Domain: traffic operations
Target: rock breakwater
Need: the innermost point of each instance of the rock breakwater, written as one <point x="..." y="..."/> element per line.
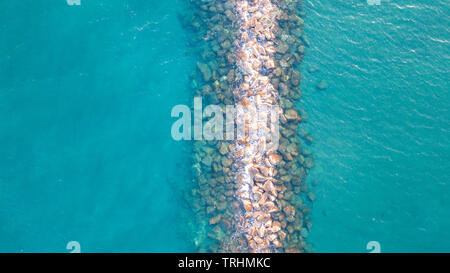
<point x="247" y="192"/>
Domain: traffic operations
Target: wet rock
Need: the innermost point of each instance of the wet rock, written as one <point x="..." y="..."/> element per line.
<point x="223" y="148"/>
<point x="284" y="63"/>
<point x="289" y="211"/>
<point x="259" y="177"/>
<point x="276" y="226"/>
<point x="277" y="72"/>
<point x="292" y="149"/>
<point x="277" y="243"/>
<point x="226" y="162"/>
<point x="275" y="158"/>
<point x="292" y="115"/>
<point x="215" y="219"/>
<point x="247" y="205"/>
<point x="272" y="237"/>
<point x="287" y="133"/>
<point x="293" y="250"/>
<point x="287" y="156"/>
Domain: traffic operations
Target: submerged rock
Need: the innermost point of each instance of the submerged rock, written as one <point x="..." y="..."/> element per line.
<point x="322" y="85"/>
<point x="304" y="233"/>
<point x="306" y="40"/>
<point x="301" y="49"/>
<point x="293" y="250"/>
<point x="295" y="79"/>
<point x="313" y="69"/>
<point x="282" y="48"/>
<point x="309" y="162"/>
<point x="311" y="196"/>
<point x="205" y="70"/>
<point x="215" y="219"/>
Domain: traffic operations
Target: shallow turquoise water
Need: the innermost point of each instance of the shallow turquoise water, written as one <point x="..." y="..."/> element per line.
<point x="382" y="127"/>
<point x="86" y="152"/>
<point x="85" y="100"/>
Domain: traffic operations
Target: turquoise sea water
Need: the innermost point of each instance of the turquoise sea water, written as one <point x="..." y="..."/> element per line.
<point x="86" y="153"/>
<point x="382" y="127"/>
<point x="85" y="99"/>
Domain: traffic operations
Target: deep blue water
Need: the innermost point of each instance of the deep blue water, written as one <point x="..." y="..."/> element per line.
<point x="86" y="153"/>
